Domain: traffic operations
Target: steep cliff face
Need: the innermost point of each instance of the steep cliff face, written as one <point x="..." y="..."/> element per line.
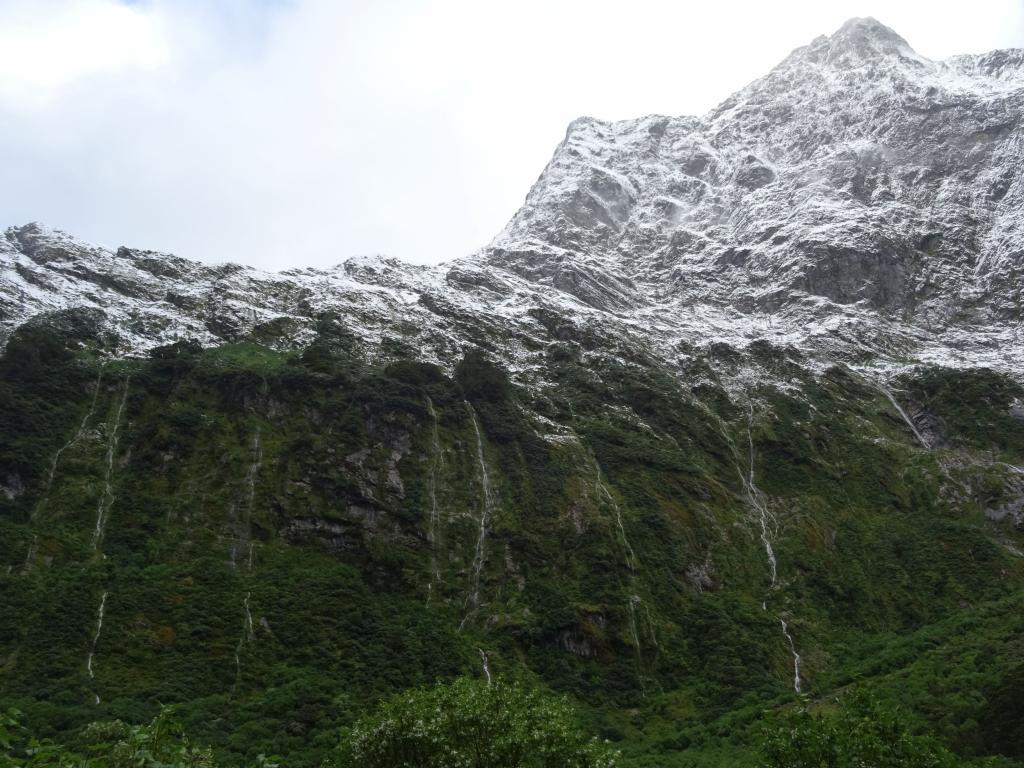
<point x="856" y="172"/>
<point x="731" y="409"/>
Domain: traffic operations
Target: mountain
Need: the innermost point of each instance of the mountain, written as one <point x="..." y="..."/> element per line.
<point x="858" y="195"/>
<point x="732" y="409"/>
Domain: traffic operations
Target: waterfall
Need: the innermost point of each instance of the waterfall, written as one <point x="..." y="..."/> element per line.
<point x="95" y="640"/>
<point x="241" y="524"/>
<point x="248" y="636"/>
<point x="28" y="555"/>
<point x="603" y="491"/>
<point x="486" y="510"/>
<point x="245" y="535"/>
<point x="250" y="483"/>
<point x="107" y="497"/>
<point x="52" y="471"/>
<point x="249" y="630"/>
<point x="634" y="633"/>
<point x="757" y="501"/>
<point x="766" y="522"/>
<point x="487" y="668"/>
<point x="434" y="522"/>
<point x="629" y="556"/>
<point x="796" y="656"/>
<point x="903" y="414"/>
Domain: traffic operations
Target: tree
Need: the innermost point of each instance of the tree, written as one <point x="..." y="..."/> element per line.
<point x="862" y="733"/>
<point x="470" y="724"/>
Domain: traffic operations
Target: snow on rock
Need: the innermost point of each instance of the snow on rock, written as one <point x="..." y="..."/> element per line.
<point x="859" y="202"/>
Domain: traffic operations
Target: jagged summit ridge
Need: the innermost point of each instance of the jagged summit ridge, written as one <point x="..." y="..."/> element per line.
<point x="817" y="159"/>
<point x="862" y="38"/>
<point x="857" y="200"/>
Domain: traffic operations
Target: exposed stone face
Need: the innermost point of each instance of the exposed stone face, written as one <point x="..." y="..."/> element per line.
<point x="858" y="198"/>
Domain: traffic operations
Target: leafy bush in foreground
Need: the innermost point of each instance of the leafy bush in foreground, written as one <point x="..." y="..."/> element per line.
<point x="862" y="733"/>
<point x="471" y="724"/>
<point x="159" y="744"/>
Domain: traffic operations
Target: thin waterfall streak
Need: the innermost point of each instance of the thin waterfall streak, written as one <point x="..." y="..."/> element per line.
<point x="250" y="480"/>
<point x="28" y="555"/>
<point x="650" y="627"/>
<point x="756" y="499"/>
<point x="248" y="636"/>
<point x="78" y="433"/>
<point x="486" y="665"/>
<point x="487" y="507"/>
<point x="759" y="504"/>
<point x="107" y="497"/>
<point x="434" y="524"/>
<point x="792" y="650"/>
<point x="603" y="490"/>
<point x="250" y="631"/>
<point x="629" y="556"/>
<point x="637" y="648"/>
<point x="52" y="471"/>
<point x="903" y="414"/>
<point x="95" y="640"/>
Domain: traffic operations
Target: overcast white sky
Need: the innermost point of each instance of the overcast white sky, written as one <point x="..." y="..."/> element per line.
<point x="286" y="133"/>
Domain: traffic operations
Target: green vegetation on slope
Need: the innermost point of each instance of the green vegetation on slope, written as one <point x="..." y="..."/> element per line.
<point x="280" y="541"/>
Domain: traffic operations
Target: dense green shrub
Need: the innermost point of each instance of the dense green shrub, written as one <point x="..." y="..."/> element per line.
<point x="472" y="724"/>
<point x="861" y="733"/>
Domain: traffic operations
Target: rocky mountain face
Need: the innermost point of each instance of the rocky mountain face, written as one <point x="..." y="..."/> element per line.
<point x="731" y="410"/>
<point x="858" y="200"/>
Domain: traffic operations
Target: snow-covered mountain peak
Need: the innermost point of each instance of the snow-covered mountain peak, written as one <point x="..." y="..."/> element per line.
<point x="858" y="199"/>
<point x="859" y="38"/>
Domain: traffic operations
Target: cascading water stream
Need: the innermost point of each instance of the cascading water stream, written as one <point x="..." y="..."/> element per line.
<point x="434" y="522"/>
<point x="486" y="511"/>
<point x="250" y="486"/>
<point x="29" y="554"/>
<point x="95" y="639"/>
<point x="767" y="522"/>
<point x="792" y="650"/>
<point x="903" y="414"/>
<point x="603" y="492"/>
<point x="107" y="497"/>
<point x="486" y="665"/>
<point x="52" y="471"/>
<point x="635" y="635"/>
<point x="248" y="629"/>
<point x="248" y="635"/>
<point x="759" y="504"/>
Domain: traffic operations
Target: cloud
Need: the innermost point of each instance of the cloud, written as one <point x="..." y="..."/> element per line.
<point x="41" y="54"/>
<point x="298" y="132"/>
